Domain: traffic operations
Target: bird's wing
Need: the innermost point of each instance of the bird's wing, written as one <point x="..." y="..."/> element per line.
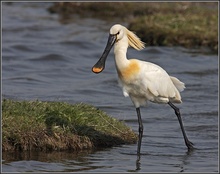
<point x="157" y="81"/>
<point x="179" y="85"/>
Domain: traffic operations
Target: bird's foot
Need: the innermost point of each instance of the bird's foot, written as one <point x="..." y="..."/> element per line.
<point x="189" y="145"/>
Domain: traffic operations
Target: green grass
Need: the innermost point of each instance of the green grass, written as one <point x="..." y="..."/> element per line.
<point x="188" y="24"/>
<point x="195" y="27"/>
<point x="46" y="126"/>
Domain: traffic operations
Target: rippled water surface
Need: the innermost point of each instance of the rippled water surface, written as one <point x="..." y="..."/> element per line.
<point x="50" y="61"/>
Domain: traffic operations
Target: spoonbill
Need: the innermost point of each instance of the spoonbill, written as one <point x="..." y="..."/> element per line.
<point x="140" y="80"/>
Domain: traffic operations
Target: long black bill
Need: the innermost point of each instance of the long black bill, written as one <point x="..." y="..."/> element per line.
<point x="100" y="65"/>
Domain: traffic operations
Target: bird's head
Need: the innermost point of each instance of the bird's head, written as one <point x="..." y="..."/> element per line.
<point x="117" y="32"/>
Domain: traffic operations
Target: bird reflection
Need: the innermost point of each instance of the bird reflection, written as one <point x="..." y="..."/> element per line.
<point x="138" y="164"/>
<point x="187" y="154"/>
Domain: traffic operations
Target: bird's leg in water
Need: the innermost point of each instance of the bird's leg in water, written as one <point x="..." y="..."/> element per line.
<point x="140" y="133"/>
<point x="177" y="112"/>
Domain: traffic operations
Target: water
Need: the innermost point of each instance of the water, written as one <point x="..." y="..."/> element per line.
<point x="50" y="61"/>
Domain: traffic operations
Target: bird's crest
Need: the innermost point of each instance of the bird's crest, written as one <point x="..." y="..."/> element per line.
<point x="134" y="41"/>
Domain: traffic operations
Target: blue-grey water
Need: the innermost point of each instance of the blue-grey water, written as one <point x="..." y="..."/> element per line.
<point x="44" y="59"/>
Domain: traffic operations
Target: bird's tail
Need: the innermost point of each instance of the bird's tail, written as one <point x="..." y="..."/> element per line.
<point x="178" y="84"/>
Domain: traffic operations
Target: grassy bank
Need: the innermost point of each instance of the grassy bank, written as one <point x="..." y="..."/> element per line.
<point x="46" y="126"/>
<point x="188" y="24"/>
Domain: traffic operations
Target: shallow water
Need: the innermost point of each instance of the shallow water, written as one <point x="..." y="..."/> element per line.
<point x="50" y="61"/>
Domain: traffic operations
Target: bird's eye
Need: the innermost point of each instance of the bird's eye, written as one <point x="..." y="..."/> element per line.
<point x="117" y="33"/>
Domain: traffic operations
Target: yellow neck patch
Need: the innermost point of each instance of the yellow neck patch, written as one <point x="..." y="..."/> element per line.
<point x="128" y="72"/>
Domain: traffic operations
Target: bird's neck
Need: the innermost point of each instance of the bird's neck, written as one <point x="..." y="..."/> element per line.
<point x="120" y="52"/>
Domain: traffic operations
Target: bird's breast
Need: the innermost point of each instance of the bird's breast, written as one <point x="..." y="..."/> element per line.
<point x="129" y="72"/>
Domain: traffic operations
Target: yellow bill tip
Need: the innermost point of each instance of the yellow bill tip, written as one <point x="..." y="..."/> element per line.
<point x="97" y="70"/>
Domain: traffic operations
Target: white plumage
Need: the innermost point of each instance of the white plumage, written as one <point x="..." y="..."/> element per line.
<point x="141" y="81"/>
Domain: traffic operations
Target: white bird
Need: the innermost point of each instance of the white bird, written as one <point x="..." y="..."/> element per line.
<point x="141" y="81"/>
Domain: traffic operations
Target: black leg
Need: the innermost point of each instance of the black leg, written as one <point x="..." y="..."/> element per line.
<point x="177" y="112"/>
<point x="140" y="132"/>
